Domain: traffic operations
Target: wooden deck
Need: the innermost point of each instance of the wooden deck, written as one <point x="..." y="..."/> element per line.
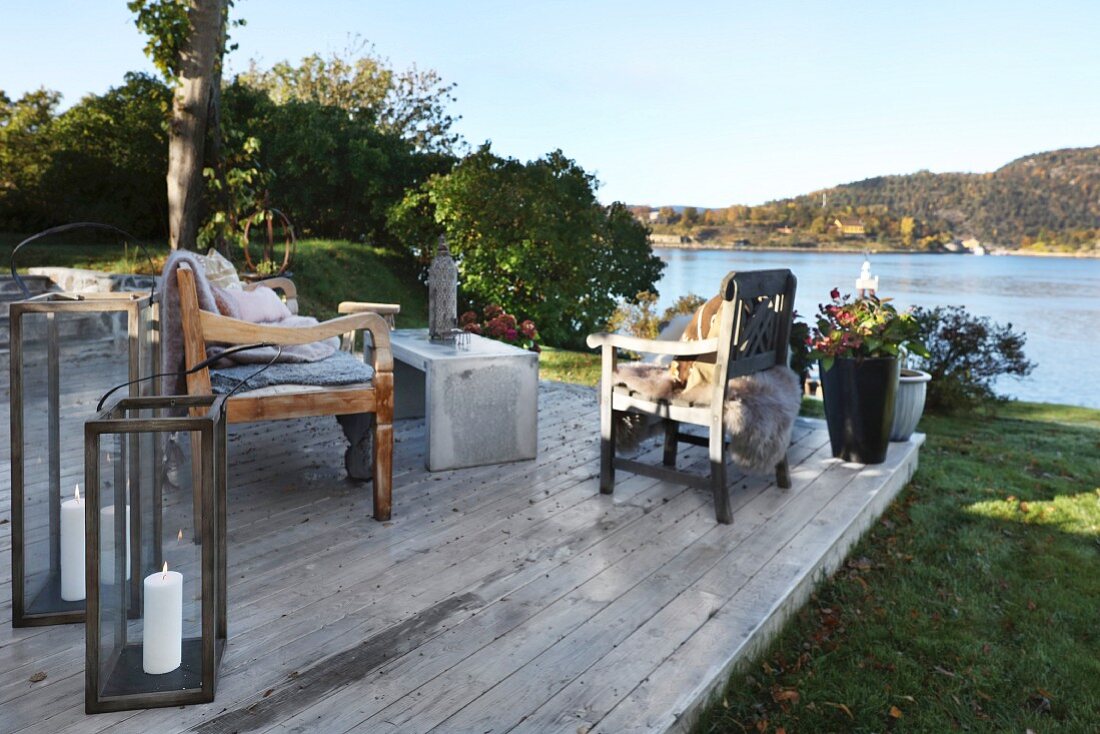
<point x="502" y="598"/>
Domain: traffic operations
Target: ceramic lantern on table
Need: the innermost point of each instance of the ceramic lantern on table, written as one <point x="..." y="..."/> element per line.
<point x="442" y="295"/>
<point x="162" y="646"/>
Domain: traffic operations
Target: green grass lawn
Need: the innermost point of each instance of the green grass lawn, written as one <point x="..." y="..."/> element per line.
<point x="971" y="606"/>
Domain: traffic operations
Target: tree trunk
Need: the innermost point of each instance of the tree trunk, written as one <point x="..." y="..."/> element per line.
<point x="190" y="112"/>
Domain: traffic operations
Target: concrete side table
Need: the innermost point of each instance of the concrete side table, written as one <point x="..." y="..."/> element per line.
<point x="479" y="402"/>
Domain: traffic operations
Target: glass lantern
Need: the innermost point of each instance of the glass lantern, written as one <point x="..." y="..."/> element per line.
<point x="146" y="460"/>
<point x="66" y="350"/>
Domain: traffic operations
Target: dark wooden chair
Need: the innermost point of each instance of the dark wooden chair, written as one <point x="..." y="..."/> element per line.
<point x="753" y="333"/>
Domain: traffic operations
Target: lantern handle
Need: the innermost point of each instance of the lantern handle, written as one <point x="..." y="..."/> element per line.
<point x="201" y="365"/>
<point x="69" y="227"/>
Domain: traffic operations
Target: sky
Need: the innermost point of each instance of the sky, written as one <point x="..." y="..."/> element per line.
<point x="694" y="103"/>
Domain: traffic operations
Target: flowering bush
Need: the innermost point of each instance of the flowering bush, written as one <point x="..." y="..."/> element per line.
<point x="503" y="327"/>
<point x="861" y="329"/>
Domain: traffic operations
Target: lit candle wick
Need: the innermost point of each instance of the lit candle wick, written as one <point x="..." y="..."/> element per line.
<point x="179" y="535"/>
<point x="164" y="571"/>
<point x="76" y="493"/>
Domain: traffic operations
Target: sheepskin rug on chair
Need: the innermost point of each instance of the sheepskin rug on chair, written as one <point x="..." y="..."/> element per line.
<point x="759" y="412"/>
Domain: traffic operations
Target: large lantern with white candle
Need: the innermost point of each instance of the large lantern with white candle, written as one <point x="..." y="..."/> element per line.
<point x="160" y="646"/>
<point x="66" y="349"/>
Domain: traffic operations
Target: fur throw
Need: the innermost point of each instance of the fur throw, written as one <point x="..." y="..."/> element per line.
<point x="758" y="417"/>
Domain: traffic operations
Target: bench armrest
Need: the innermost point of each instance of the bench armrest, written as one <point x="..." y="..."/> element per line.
<point x="382" y="309"/>
<point x="226" y="330"/>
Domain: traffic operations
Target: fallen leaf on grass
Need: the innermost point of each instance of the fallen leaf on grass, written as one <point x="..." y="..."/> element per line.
<point x="1046" y="693"/>
<point x="787" y="694"/>
<point x="842" y="707"/>
<point x="39" y="676"/>
<point x="895" y="712"/>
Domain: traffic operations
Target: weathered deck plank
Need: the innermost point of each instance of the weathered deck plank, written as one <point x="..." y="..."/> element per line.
<point x="498" y="598"/>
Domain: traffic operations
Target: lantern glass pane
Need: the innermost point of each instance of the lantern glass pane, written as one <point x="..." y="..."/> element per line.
<point x="150" y="626"/>
<point x="68" y="359"/>
<point x="66" y="352"/>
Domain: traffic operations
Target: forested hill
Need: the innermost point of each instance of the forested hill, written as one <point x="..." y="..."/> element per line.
<point x="1034" y="197"/>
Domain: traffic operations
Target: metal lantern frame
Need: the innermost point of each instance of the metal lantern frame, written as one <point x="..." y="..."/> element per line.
<point x="125" y="685"/>
<point x="45" y="606"/>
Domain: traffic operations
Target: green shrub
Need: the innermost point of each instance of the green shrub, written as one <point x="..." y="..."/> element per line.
<point x="967" y="354"/>
<point x="638" y="317"/>
<point x="532" y="238"/>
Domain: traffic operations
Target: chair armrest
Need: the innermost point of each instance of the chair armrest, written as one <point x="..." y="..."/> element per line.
<point x="226" y="330"/>
<point x="653" y="346"/>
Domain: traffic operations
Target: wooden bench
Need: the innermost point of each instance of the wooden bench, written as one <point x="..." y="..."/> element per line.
<point x="349" y="402"/>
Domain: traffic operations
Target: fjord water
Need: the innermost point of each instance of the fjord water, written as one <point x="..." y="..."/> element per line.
<point x="1055" y="301"/>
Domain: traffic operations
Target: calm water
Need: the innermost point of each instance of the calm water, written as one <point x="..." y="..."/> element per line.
<point x="1055" y="301"/>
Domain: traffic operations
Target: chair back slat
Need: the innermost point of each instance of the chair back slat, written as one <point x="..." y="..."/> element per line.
<point x="756" y="321"/>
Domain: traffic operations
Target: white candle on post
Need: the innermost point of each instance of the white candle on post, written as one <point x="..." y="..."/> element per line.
<point x="162" y="644"/>
<point x="72" y="548"/>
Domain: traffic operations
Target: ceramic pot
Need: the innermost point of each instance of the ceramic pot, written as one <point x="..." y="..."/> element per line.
<point x="909" y="404"/>
<point x="859" y="407"/>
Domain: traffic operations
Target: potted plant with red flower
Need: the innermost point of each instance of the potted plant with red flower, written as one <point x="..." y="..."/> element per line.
<point x="503" y="327"/>
<point x="858" y="343"/>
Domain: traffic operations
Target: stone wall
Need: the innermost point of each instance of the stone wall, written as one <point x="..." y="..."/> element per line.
<point x="89" y="327"/>
<point x="73" y="280"/>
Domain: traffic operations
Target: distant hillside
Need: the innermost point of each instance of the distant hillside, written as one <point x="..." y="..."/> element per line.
<point x="1055" y="191"/>
<point x="1047" y="202"/>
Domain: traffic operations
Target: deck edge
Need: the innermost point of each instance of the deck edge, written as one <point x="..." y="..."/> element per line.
<point x="827" y="564"/>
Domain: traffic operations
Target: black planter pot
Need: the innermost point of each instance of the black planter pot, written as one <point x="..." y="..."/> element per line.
<point x="859" y="407"/>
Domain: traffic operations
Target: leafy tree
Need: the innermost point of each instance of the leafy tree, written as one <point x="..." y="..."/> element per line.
<point x="967" y="353"/>
<point x="110" y="155"/>
<point x="532" y="238"/>
<point x="25" y="152"/>
<point x="333" y="174"/>
<point x="186" y="42"/>
<point x="907" y="228"/>
<point x="411" y="103"/>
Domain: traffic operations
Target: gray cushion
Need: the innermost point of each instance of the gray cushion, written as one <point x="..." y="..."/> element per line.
<point x="342" y="368"/>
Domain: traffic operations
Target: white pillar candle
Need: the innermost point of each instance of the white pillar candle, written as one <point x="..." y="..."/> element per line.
<point x="162" y="644"/>
<point x="72" y="548"/>
<point x="107" y="553"/>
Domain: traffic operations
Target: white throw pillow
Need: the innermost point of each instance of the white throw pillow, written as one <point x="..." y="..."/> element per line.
<point x="219" y="271"/>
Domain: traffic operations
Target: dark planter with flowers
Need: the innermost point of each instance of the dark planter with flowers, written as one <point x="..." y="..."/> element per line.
<point x="859" y="407"/>
<point x="857" y="343"/>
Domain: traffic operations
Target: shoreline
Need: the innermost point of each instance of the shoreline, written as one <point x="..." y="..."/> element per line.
<point x="862" y="250"/>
